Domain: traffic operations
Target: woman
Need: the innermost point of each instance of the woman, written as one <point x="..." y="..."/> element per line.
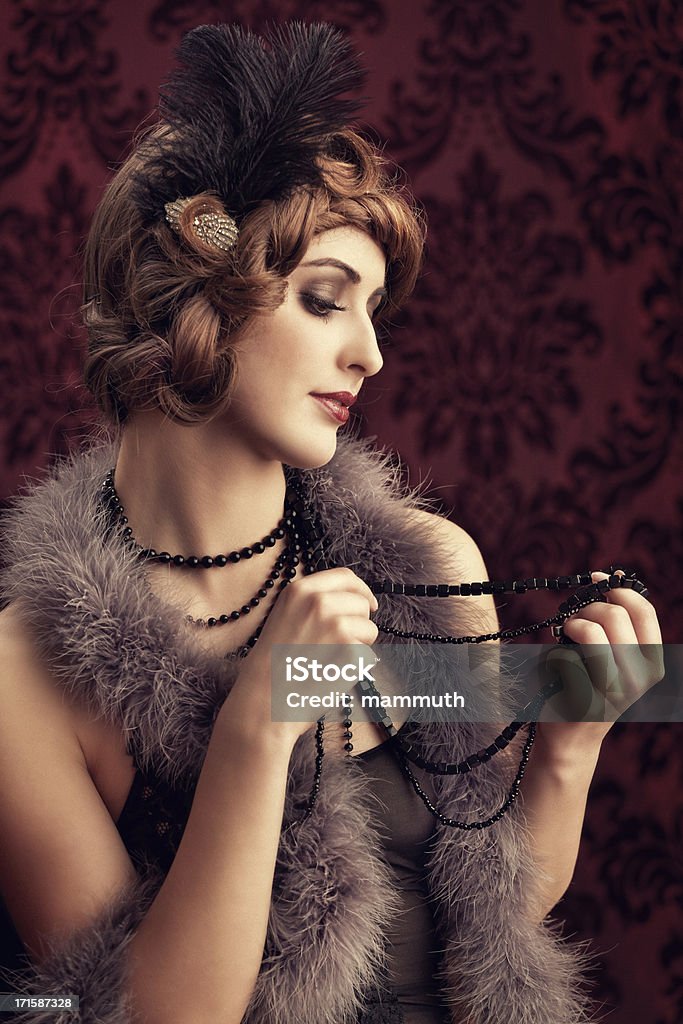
<point x="164" y="856"/>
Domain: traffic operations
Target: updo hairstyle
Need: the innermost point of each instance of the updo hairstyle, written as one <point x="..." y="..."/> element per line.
<point x="162" y="311"/>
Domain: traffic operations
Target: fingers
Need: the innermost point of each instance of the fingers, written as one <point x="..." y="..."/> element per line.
<point x="337" y="580"/>
<point x="624" y="633"/>
<point x="644" y="621"/>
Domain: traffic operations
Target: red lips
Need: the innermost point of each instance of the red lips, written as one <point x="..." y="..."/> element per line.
<point x="345" y="397"/>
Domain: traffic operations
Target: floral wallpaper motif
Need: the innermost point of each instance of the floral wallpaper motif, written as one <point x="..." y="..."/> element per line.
<point x="534" y="380"/>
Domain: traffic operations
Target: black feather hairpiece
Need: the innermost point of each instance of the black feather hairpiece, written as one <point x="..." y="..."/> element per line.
<point x="248" y="114"/>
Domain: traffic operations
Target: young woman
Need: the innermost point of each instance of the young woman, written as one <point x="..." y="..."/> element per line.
<point x="170" y="852"/>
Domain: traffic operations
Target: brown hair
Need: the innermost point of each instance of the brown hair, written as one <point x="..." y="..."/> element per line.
<point x="162" y="311"/>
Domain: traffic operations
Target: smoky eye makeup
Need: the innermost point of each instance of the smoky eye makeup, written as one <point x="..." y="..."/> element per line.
<point x="319" y="305"/>
<point x="324" y="297"/>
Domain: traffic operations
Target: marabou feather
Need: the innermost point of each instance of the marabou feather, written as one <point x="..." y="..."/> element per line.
<point x="133" y="659"/>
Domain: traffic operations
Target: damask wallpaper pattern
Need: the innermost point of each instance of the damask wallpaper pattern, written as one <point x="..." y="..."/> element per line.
<point x="535" y="378"/>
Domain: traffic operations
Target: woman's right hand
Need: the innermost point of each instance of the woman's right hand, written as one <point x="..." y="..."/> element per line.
<point x="330" y="607"/>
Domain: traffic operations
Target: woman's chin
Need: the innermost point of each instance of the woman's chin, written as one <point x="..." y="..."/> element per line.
<point x="312" y="455"/>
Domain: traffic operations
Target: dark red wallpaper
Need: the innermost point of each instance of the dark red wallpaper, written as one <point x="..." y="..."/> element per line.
<point x="535" y="377"/>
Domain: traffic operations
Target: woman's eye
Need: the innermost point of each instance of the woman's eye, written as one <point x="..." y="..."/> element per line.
<point x="319" y="306"/>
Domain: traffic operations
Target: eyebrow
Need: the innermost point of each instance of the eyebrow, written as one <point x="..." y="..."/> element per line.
<point x="353" y="275"/>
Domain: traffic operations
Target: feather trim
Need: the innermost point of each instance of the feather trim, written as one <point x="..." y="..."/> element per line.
<point x="91" y="964"/>
<point x="132" y="658"/>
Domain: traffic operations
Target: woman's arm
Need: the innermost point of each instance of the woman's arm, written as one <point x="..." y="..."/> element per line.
<point x="555" y="788"/>
<point x="72" y="891"/>
<point x="197" y="953"/>
<point x="192" y="954"/>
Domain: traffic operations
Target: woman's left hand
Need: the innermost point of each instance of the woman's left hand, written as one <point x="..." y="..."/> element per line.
<point x="626" y="662"/>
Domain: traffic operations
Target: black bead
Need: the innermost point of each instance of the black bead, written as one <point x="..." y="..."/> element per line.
<point x="420" y="590"/>
<point x="207" y="561"/>
<point x="246" y="552"/>
<point x="432" y="590"/>
<point x="221" y="560"/>
<point x="235" y="615"/>
<point x="224" y="618"/>
<point x="164" y="557"/>
<point x="465" y="589"/>
<point x="192" y="561"/>
<point x="178" y="560"/>
<point x="255" y="602"/>
<point x="211" y="621"/>
<point x="234" y="556"/>
<point x="259" y="548"/>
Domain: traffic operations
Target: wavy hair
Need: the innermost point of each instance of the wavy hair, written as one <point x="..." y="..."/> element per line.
<point x="162" y="311"/>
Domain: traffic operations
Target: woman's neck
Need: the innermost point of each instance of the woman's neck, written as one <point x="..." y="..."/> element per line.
<point x="187" y="490"/>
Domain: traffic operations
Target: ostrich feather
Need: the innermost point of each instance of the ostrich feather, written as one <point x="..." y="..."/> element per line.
<point x="248" y="115"/>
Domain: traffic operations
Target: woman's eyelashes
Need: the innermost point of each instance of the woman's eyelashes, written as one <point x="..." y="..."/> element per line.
<point x="320" y="306"/>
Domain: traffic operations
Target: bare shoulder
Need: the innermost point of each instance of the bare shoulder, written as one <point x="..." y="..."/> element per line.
<point x="61" y="858"/>
<point x="463" y="561"/>
<point x="456" y="541"/>
<point x="25" y="681"/>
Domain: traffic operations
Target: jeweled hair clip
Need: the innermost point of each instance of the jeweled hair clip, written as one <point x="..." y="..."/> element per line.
<point x="217" y="229"/>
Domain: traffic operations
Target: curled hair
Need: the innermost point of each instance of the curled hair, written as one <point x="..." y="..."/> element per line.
<point x="162" y="311"/>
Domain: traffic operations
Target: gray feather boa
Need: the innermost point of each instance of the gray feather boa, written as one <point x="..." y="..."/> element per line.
<point x="134" y="660"/>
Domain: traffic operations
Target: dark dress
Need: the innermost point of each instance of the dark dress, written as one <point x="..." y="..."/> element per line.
<point x="153" y="819"/>
<point x="152" y="823"/>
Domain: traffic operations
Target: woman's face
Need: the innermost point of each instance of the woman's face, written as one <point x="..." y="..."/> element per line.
<point x="321" y="340"/>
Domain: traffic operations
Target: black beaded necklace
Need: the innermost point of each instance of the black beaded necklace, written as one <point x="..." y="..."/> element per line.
<point x="113" y="504"/>
<point x="285" y="565"/>
<point x="587" y="593"/>
<point x="306" y="547"/>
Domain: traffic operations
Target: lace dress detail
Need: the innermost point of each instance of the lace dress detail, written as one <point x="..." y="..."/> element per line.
<point x="153" y="820"/>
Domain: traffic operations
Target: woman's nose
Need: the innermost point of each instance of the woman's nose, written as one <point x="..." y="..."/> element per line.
<point x="363" y="351"/>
